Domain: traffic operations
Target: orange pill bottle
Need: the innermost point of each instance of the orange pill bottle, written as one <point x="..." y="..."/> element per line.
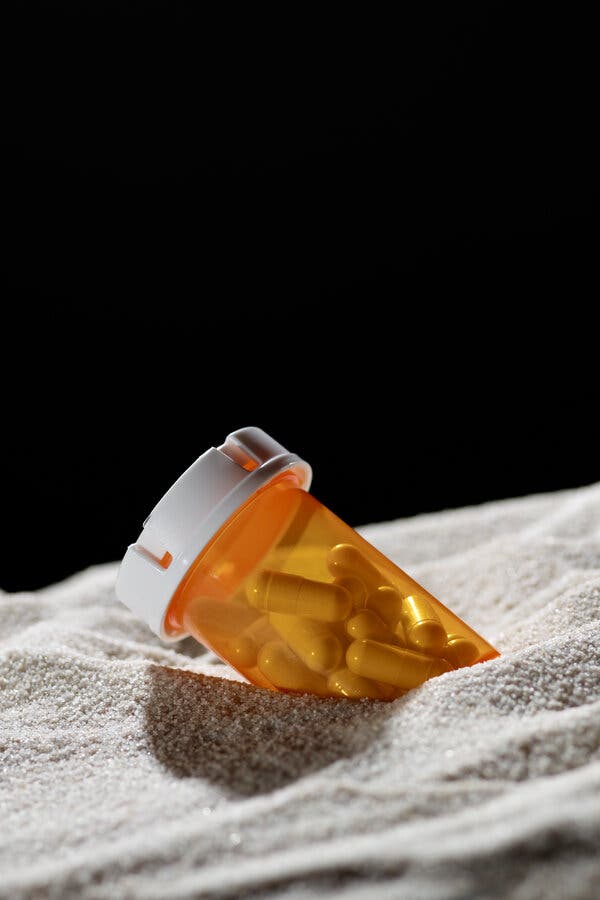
<point x="240" y="555"/>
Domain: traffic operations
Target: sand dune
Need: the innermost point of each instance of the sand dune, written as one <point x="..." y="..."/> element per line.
<point x="132" y="769"/>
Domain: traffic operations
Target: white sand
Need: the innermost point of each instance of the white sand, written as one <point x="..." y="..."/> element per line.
<point x="133" y="770"/>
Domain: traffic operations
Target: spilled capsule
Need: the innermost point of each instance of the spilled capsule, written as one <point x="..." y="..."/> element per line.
<point x="280" y="592"/>
<point x="311" y="641"/>
<point x="285" y="670"/>
<point x="403" y="668"/>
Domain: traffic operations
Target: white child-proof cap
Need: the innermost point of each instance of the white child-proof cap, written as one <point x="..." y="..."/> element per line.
<point x="191" y="513"/>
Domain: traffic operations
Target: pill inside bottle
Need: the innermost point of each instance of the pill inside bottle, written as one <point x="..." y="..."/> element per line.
<point x="242" y="557"/>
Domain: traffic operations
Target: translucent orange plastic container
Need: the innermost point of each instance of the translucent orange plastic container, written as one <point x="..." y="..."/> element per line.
<point x="289" y="594"/>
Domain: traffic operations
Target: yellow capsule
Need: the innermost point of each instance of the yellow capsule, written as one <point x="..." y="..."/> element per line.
<point x="349" y="684"/>
<point x="311" y="641"/>
<point x="386" y="601"/>
<point x="461" y="651"/>
<point x="422" y="627"/>
<point x="356" y="589"/>
<point x="405" y="669"/>
<point x="242" y="652"/>
<point x="279" y="592"/>
<point x="347" y="560"/>
<point x="367" y="624"/>
<point x="245" y="646"/>
<point x="284" y="669"/>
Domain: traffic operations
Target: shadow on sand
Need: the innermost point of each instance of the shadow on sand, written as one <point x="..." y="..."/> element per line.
<point x="247" y="739"/>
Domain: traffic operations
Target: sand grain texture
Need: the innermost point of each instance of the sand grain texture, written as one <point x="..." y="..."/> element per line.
<point x="131" y="769"/>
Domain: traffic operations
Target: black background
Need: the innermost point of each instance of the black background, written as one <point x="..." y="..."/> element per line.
<point x="376" y="238"/>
